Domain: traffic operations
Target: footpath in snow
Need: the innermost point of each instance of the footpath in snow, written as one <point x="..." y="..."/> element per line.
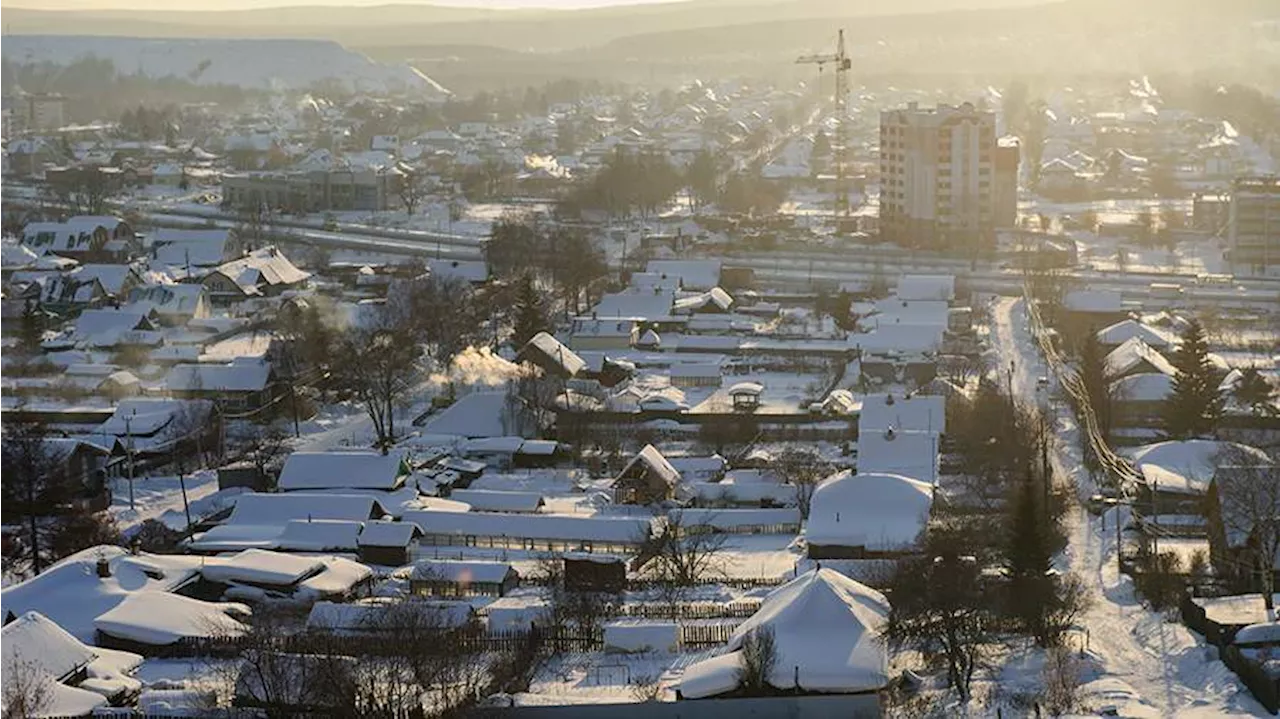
<point x="1171" y="668"/>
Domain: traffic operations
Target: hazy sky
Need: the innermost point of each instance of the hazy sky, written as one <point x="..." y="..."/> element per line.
<point x="243" y="4"/>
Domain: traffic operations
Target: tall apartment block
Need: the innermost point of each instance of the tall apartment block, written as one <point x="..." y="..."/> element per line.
<point x="938" y="177"/>
<point x="1253" y="221"/>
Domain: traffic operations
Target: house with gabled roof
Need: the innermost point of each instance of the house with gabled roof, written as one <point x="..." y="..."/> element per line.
<point x="344" y="470"/>
<point x="646" y="479"/>
<point x="262" y="273"/>
<point x="81" y="237"/>
<point x="245" y="384"/>
<point x="65" y="665"/>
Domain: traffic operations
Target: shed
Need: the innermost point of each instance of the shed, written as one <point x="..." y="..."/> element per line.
<point x="449" y="578"/>
<point x="746" y="396"/>
<point x="319" y="535"/>
<point x="594" y="572"/>
<point x="388" y="544"/>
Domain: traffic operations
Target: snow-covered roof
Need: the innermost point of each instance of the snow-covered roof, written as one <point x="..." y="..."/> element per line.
<point x="52" y="655"/>
<point x="338" y="470"/>
<point x="267" y="266"/>
<point x="1131" y="354"/>
<point x="160" y="618"/>
<point x="259" y="520"/>
<point x="199" y="248"/>
<point x="655" y="462"/>
<point x="1263" y="633"/>
<point x="620" y="530"/>
<point x="460" y="571"/>
<point x="483" y="500"/>
<point x="744" y="492"/>
<point x="923" y="413"/>
<point x="249" y="375"/>
<point x="260" y="508"/>
<point x="92" y="323"/>
<point x="552" y="349"/>
<point x="926" y="287"/>
<point x="1125" y="330"/>
<point x="642" y="304"/>
<point x="1188" y="465"/>
<point x="1143" y="387"/>
<point x="319" y="535"/>
<point x="698" y="275"/>
<point x="47" y="648"/>
<point x="748" y="388"/>
<point x="71" y="594"/>
<point x="111" y="277"/>
<point x="479" y="414"/>
<point x="826" y="631"/>
<point x="259" y="566"/>
<point x="912" y="454"/>
<point x="388" y="534"/>
<point x="876" y="511"/>
<point x="715" y="297"/>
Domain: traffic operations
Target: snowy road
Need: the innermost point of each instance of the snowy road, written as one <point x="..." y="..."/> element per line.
<point x="1171" y="668"/>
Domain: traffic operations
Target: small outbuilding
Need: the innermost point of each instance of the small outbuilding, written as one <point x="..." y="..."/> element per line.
<point x="450" y="578"/>
<point x="389" y="544"/>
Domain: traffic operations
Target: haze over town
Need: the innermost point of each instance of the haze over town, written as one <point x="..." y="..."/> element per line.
<point x="529" y="358"/>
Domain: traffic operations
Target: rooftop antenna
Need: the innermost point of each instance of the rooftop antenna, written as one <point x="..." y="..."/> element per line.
<point x="843" y="64"/>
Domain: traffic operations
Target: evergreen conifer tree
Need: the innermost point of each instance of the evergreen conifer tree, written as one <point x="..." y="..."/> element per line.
<point x="1196" y="403"/>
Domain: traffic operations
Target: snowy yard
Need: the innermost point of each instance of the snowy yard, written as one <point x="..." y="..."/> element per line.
<point x="160" y="497"/>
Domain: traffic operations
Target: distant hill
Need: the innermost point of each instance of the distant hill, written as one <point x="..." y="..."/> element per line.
<point x="251" y="63"/>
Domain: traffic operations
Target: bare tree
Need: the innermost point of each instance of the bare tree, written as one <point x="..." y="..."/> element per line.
<point x="940" y="606"/>
<point x="441" y="313"/>
<point x="759" y="657"/>
<point x="1061" y="678"/>
<point x="28" y="692"/>
<point x="1248" y="504"/>
<point x="378" y="367"/>
<point x="267" y="449"/>
<point x="686" y="554"/>
<point x="413" y="188"/>
<point x="804" y="469"/>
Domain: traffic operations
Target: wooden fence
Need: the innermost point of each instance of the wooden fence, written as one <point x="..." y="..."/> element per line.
<point x="732" y="610"/>
<point x="556" y="640"/>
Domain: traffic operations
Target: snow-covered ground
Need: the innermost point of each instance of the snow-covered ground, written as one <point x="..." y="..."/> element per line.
<point x="160" y="497"/>
<point x="1170" y="667"/>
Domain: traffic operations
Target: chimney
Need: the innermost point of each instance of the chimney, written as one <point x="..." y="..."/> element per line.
<point x="103" y="568"/>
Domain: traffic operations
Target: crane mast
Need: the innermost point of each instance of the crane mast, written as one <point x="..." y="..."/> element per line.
<point x="842" y="66"/>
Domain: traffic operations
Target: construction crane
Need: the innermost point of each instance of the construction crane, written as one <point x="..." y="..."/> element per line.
<point x="842" y="63"/>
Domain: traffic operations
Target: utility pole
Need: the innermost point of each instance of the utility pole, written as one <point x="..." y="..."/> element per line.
<point x="839" y="153"/>
<point x="128" y="433"/>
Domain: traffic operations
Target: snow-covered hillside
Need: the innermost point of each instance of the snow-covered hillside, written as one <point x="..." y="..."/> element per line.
<point x="263" y="64"/>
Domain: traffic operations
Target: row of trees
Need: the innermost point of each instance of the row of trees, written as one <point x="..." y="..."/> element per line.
<point x="536" y="254"/>
<point x="641" y="181"/>
<point x="377" y="357"/>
